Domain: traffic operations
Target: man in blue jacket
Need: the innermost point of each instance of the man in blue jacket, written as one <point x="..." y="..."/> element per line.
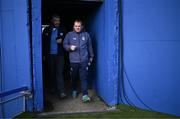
<point x="78" y="44"/>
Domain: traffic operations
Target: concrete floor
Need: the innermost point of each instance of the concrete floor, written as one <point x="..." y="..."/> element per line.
<point x="70" y="105"/>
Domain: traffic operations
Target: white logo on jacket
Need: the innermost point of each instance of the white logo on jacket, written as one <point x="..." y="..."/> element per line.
<point x="61" y="34"/>
<point x="83" y="38"/>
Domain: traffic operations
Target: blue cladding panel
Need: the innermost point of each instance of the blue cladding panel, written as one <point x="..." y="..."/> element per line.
<point x="104" y="31"/>
<point x="151" y="53"/>
<point x="15" y="55"/>
<point x="37" y="56"/>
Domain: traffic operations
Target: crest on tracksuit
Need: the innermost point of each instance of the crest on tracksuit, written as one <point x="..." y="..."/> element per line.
<point x="61" y="34"/>
<point x="83" y="38"/>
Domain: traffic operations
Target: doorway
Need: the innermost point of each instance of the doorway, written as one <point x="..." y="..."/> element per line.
<point x="70" y="10"/>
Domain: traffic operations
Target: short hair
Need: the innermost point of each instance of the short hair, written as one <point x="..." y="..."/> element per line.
<point x="55" y="16"/>
<point x="78" y="20"/>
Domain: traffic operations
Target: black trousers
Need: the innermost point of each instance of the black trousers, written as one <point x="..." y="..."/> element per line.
<point x="81" y="70"/>
<point x="56" y="68"/>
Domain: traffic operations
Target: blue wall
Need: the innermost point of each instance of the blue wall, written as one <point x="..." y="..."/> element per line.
<point x="37" y="55"/>
<point x="151" y="36"/>
<point x="151" y="45"/>
<point x="15" y="53"/>
<point x="103" y="29"/>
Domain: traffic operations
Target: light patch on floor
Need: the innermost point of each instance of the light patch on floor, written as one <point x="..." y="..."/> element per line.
<point x="70" y="105"/>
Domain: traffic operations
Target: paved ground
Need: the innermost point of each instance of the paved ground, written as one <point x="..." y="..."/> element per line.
<point x="70" y="105"/>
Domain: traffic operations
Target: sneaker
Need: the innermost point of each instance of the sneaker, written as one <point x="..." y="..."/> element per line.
<point x="74" y="94"/>
<point x="86" y="98"/>
<point x="63" y="95"/>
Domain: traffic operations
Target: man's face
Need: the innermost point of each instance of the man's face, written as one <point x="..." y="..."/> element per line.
<point x="56" y="22"/>
<point x="77" y="27"/>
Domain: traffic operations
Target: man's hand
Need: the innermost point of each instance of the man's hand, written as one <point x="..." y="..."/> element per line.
<point x="59" y="40"/>
<point x="90" y="61"/>
<point x="72" y="47"/>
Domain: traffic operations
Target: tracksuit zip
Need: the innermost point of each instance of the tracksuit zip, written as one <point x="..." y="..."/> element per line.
<point x="79" y="47"/>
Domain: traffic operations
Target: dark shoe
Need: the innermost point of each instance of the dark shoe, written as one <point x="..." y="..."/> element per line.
<point x="62" y="95"/>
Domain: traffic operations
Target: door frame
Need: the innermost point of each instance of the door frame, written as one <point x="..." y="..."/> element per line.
<point x="35" y="6"/>
<point x="37" y="54"/>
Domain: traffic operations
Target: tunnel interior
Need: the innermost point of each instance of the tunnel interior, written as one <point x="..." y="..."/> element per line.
<point x="69" y="10"/>
<point x="90" y="12"/>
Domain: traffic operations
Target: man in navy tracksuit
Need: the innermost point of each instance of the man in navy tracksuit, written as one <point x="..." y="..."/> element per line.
<point x="53" y="55"/>
<point x="78" y="44"/>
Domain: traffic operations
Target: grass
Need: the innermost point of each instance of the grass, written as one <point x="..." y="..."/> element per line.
<point x="123" y="112"/>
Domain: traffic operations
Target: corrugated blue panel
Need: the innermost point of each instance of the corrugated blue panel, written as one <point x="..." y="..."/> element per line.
<point x="151" y="31"/>
<point x="15" y="52"/>
<point x="104" y="29"/>
<point x="37" y="55"/>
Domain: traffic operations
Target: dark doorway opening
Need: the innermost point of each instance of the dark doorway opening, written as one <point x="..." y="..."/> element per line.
<point x="69" y="10"/>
